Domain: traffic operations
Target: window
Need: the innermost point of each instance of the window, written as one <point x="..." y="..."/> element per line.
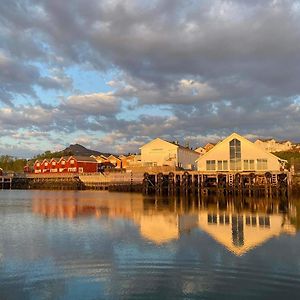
<point x="38" y="164"/>
<point x="72" y="161"/>
<point x="249" y="164"/>
<point x="222" y="165"/>
<point x="210" y="165"/>
<point x="262" y="164"/>
<point x="46" y="164"/>
<point x="80" y="170"/>
<point x="53" y="163"/>
<point x="235" y="154"/>
<point x="63" y="162"/>
<point x="225" y="165"/>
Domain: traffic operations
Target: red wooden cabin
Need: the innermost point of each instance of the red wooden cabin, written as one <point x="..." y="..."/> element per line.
<point x="82" y="164"/>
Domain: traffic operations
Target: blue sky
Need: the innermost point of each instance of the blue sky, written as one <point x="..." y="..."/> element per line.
<point x="112" y="75"/>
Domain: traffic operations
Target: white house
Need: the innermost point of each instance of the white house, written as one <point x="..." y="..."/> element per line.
<point x="159" y="152"/>
<point x="236" y="153"/>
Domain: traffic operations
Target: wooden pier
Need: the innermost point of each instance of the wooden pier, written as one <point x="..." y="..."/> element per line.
<point x="6" y="181"/>
<point x="251" y="184"/>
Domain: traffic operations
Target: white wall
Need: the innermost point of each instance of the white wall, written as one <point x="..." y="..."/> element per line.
<point x="162" y="153"/>
<point x="188" y="158"/>
<point x="159" y="152"/>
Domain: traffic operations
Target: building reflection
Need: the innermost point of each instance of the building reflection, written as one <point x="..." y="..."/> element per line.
<point x="239" y="225"/>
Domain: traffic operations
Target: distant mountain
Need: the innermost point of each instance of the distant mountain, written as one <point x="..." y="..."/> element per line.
<point x="80" y="150"/>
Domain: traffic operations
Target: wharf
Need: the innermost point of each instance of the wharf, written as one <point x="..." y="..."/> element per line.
<point x="191" y="182"/>
<point x="187" y="182"/>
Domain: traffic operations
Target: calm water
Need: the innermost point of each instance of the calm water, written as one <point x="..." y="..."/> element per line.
<point x="100" y="245"/>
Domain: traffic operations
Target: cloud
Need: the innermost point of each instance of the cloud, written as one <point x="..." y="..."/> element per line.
<point x="216" y="66"/>
<point x="92" y="104"/>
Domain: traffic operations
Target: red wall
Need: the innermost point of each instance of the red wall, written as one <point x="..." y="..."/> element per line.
<point x="88" y="167"/>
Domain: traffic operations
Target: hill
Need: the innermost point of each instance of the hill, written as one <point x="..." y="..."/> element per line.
<point x="77" y="149"/>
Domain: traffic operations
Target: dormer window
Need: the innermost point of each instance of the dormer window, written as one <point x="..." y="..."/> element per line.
<point x="72" y="161"/>
<point x="53" y="163"/>
<point x="38" y="164"/>
<point x="46" y="164"/>
<point x="63" y="162"/>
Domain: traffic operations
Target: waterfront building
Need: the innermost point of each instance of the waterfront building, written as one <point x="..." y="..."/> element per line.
<point x="160" y="152"/>
<point x="236" y="153"/>
<point x="72" y="164"/>
<point x="44" y="166"/>
<point x="126" y="160"/>
<point x="116" y="161"/>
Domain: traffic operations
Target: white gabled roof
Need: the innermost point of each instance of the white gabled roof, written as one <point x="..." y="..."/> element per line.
<point x="160" y="140"/>
<point x="239" y="137"/>
<point x="170" y="143"/>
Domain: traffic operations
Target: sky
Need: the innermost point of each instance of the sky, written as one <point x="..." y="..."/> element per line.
<point x="114" y="74"/>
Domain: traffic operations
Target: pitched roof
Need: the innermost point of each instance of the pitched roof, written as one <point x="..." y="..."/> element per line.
<point x="235" y="135"/>
<point x="172" y="143"/>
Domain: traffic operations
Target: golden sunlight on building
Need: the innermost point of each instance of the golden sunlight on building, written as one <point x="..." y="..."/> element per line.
<point x="236" y="153"/>
<point x="159" y="152"/>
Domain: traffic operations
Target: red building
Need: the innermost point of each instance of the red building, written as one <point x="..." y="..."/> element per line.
<point x="72" y="164"/>
<point x="41" y="166"/>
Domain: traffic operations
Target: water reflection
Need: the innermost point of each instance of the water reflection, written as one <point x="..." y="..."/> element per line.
<point x="238" y="224"/>
<point x="100" y="245"/>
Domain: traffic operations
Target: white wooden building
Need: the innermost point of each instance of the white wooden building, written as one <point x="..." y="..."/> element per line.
<point x="236" y="153"/>
<point x="159" y="152"/>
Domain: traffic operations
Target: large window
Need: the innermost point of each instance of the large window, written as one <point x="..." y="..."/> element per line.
<point x="210" y="165"/>
<point x="249" y="164"/>
<point x="262" y="164"/>
<point x="235" y="154"/>
<point x="222" y="165"/>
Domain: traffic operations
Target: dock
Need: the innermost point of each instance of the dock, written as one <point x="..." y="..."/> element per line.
<point x="251" y="184"/>
<point x="192" y="182"/>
